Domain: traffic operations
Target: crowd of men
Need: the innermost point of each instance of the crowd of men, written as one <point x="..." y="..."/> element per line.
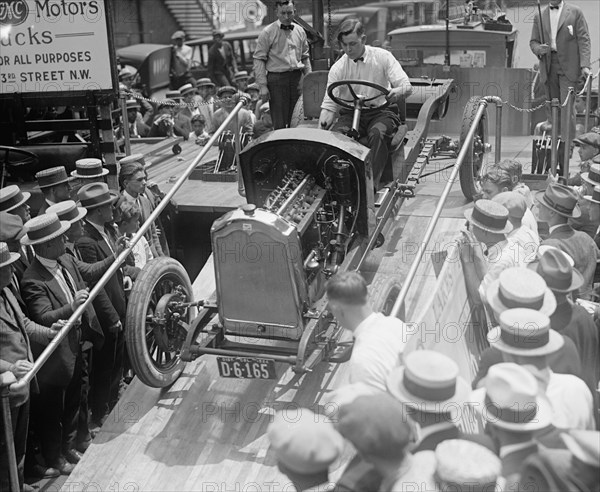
<point x="48" y="264"/>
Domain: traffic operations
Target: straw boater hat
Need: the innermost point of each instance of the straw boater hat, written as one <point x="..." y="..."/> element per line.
<point x="593" y="176"/>
<point x="253" y="87"/>
<point x="173" y="95"/>
<point x="519" y="287"/>
<point x="184" y="89"/>
<point x="595" y="196"/>
<point x="558" y="273"/>
<point x="561" y="199"/>
<point x="6" y="256"/>
<point x="429" y="382"/>
<point x="89" y="168"/>
<point x="67" y="210"/>
<point x="226" y="89"/>
<point x="133" y="158"/>
<point x="461" y="464"/>
<point x="510" y="399"/>
<point x="525" y="332"/>
<point x="132" y="104"/>
<point x="126" y="72"/>
<point x="43" y="228"/>
<point x="204" y="82"/>
<point x="52" y="177"/>
<point x="95" y="195"/>
<point x="178" y="35"/>
<point x="584" y="445"/>
<point x="305" y="446"/>
<point x="11" y="197"/>
<point x="242" y="74"/>
<point x="489" y="216"/>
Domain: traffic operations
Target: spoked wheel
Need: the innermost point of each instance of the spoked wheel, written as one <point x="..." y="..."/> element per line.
<point x="383" y="293"/>
<point x="17" y="159"/>
<point x="472" y="168"/>
<point x="158" y="320"/>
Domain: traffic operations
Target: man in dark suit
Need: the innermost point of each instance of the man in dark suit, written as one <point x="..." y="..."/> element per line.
<point x="54" y="183"/>
<point x="558" y="205"/>
<point x="221" y="61"/>
<point x="96" y="244"/>
<point x="16" y="357"/>
<point x="53" y="289"/>
<point x="561" y="41"/>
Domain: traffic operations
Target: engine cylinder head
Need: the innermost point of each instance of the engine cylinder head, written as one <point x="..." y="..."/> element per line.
<point x="341" y="182"/>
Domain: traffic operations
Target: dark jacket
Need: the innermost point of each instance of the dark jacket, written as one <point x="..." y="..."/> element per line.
<point x="219" y="64"/>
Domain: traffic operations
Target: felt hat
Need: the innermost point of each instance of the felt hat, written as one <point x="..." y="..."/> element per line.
<point x="429" y="382"/>
<point x="67" y="210"/>
<point x="12" y="197"/>
<point x="253" y="87"/>
<point x="593" y="175"/>
<point x="186" y="88"/>
<point x="89" y="168"/>
<point x="178" y="35"/>
<point x="305" y="444"/>
<point x="225" y="90"/>
<point x="242" y="74"/>
<point x="6" y="256"/>
<point x="133" y="158"/>
<point x="514" y="202"/>
<point x="465" y="464"/>
<point x="52" y="177"/>
<point x="525" y="332"/>
<point x="595" y="196"/>
<point x="561" y="199"/>
<point x="11" y="230"/>
<point x="489" y="216"/>
<point x="510" y="399"/>
<point x="132" y="104"/>
<point x="377" y="426"/>
<point x="95" y="195"/>
<point x="543" y="248"/>
<point x="519" y="287"/>
<point x="43" y="228"/>
<point x="126" y="72"/>
<point x="590" y="138"/>
<point x="216" y="33"/>
<point x="204" y="82"/>
<point x="558" y="273"/>
<point x="584" y="445"/>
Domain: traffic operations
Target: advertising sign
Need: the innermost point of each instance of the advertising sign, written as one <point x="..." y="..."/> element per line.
<point x="54" y="46"/>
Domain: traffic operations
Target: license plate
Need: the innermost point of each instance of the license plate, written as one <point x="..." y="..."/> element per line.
<point x="246" y="368"/>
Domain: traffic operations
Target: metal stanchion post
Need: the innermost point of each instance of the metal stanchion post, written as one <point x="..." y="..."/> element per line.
<point x="567" y="131"/>
<point x="553" y="145"/>
<point x="238" y="144"/>
<point x="123" y="102"/>
<point x="5" y="383"/>
<point x="588" y="103"/>
<point x="498" y="131"/>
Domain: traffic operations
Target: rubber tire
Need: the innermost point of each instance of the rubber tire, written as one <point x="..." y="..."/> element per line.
<point x="298" y="113"/>
<point x="467" y="172"/>
<point x="135" y="332"/>
<point x="176" y="149"/>
<point x="383" y="293"/>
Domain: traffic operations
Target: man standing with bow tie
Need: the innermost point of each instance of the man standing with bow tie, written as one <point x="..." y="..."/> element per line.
<point x="561" y="41"/>
<point x="369" y="64"/>
<point x="280" y="59"/>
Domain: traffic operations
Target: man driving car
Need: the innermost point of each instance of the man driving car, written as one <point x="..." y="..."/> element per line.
<point x="369" y="64"/>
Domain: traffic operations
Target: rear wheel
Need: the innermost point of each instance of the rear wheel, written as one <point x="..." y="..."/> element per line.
<point x="383" y="293"/>
<point x="157" y="323"/>
<point x="472" y="167"/>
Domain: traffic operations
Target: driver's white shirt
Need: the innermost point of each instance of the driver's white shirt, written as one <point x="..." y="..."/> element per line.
<point x="379" y="66"/>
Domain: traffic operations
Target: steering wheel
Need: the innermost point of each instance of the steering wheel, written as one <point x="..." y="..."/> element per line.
<point x="346" y="103"/>
<point x="15" y="157"/>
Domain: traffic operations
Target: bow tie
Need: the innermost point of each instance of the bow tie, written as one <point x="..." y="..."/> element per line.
<point x="362" y="59"/>
<point x="555" y="7"/>
<point x="287" y="28"/>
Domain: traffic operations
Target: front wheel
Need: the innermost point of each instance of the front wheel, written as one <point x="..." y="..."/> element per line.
<point x="472" y="168"/>
<point x="158" y="320"/>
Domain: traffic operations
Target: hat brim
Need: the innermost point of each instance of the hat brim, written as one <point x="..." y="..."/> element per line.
<point x="104" y="172"/>
<point x="469" y="216"/>
<point x="493" y="299"/>
<point x="586" y="178"/>
<point x="13" y="257"/>
<point x="81" y="213"/>
<point x="26" y="196"/>
<point x="576" y="279"/>
<point x="64" y="227"/>
<point x="555" y="342"/>
<point x="66" y="180"/>
<point x="590" y="198"/>
<point x="397" y="389"/>
<point x="543" y="417"/>
<point x="575" y="214"/>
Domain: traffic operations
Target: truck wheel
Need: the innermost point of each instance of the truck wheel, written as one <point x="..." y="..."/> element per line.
<point x="298" y="113"/>
<point x="472" y="167"/>
<point x="156" y="323"/>
<point x="383" y="293"/>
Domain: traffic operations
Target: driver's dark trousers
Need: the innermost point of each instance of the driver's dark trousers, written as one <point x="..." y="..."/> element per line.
<point x="379" y="127"/>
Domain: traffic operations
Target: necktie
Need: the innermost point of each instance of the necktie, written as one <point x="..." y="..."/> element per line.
<point x="67" y="277"/>
<point x="554" y="7"/>
<point x="362" y="59"/>
<point x="287" y="28"/>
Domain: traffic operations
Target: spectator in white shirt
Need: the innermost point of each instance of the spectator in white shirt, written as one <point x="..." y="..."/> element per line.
<point x="370" y="64"/>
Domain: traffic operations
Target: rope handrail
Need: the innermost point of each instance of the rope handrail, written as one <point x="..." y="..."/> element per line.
<point x="483" y="103"/>
<point x="51" y="347"/>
